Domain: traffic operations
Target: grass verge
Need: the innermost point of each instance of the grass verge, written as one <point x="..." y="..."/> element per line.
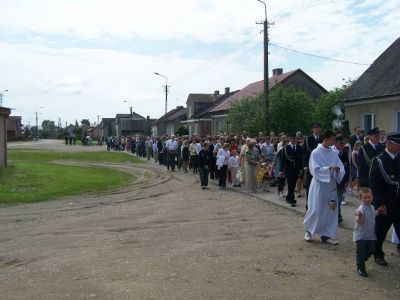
<point x="33" y="177"/>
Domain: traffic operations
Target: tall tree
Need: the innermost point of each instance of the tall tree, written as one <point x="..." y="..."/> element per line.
<point x="85" y="122"/>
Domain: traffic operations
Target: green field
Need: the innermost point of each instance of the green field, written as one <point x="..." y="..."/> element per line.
<point x="32" y="176"/>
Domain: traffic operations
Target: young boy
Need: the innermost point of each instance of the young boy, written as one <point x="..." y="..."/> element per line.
<point x="364" y="231"/>
<point x="204" y="163"/>
<point x="234" y="167"/>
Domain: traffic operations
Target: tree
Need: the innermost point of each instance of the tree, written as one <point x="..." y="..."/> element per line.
<point x="182" y="131"/>
<point x="290" y="109"/>
<point x="247" y="115"/>
<point x="48" y="129"/>
<point x="85" y="122"/>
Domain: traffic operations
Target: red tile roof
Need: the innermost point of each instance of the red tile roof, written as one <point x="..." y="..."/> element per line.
<point x="253" y="89"/>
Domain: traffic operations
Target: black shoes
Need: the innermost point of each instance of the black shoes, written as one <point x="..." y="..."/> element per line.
<point x="381" y="261"/>
<point x="361" y="270"/>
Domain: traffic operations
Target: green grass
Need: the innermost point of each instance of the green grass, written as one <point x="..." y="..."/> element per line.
<point x="33" y="177"/>
<point x="35" y="155"/>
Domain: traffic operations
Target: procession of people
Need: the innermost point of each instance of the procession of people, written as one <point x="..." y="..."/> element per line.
<point x="327" y="165"/>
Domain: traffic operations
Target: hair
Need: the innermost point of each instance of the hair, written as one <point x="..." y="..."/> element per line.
<point x="363" y="191"/>
<point x="358" y="143"/>
<point x="328" y="134"/>
<point x="227" y="145"/>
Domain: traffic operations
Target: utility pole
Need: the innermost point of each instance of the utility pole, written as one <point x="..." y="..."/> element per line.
<point x="266" y="75"/>
<point x="166" y="90"/>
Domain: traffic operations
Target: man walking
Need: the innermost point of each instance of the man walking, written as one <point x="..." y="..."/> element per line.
<point x="367" y="153"/>
<point x="385" y="184"/>
<point x="327" y="171"/>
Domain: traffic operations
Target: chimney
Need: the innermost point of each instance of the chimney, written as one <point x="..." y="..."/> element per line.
<point x="227" y="90"/>
<point x="278" y="71"/>
<point x="216" y="93"/>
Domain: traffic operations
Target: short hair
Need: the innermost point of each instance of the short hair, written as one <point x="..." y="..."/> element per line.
<point x="363" y="191"/>
<point x="328" y="134"/>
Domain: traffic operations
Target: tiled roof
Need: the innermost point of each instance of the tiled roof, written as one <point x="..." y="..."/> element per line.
<point x="382" y="78"/>
<point x="169" y="114"/>
<point x="252" y="90"/>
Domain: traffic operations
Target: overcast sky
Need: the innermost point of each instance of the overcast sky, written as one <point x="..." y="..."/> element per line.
<point x="82" y="58"/>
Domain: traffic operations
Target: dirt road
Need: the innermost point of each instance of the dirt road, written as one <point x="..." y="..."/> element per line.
<point x="165" y="238"/>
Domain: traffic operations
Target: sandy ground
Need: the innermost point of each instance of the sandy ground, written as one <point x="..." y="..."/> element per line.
<point x="165" y="238"/>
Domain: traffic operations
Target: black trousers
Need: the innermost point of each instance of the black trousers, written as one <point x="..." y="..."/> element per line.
<point x="203" y="173"/>
<point x="222" y="173"/>
<point x="291" y="176"/>
<point x="364" y="181"/>
<point x="382" y="226"/>
<point x="171" y="160"/>
<point x="364" y="250"/>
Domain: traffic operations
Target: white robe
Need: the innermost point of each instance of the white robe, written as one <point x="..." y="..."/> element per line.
<point x="320" y="219"/>
<point x="395" y="238"/>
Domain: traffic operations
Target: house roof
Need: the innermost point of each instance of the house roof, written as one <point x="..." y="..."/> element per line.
<point x="200" y="98"/>
<point x="216" y="103"/>
<point x="177" y="114"/>
<point x="381" y="79"/>
<point x="134" y="116"/>
<point x="169" y="114"/>
<point x="256" y="88"/>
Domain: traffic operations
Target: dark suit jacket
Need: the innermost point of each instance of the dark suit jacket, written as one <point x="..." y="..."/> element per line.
<point x="385" y="193"/>
<point x="353" y="140"/>
<point x="344" y="157"/>
<point x="310" y="143"/>
<point x="367" y="153"/>
<point x="292" y="161"/>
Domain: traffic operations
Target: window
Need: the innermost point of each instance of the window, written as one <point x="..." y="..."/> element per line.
<point x="368" y="121"/>
<point x="397" y="120"/>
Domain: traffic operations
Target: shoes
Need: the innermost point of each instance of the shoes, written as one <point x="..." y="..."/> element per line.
<point x="361" y="270"/>
<point x="381" y="261"/>
<point x="308" y="236"/>
<point x="343" y="202"/>
<point x="330" y="241"/>
<point x="203" y="187"/>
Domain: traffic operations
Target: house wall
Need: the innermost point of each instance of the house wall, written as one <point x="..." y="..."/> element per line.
<point x="302" y="82"/>
<point x="218" y="124"/>
<point x="386" y="114"/>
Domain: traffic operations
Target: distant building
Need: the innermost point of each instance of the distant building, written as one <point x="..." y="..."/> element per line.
<point x="14" y="128"/>
<point x="4" y="114"/>
<point x="170" y="122"/>
<point x="374" y="99"/>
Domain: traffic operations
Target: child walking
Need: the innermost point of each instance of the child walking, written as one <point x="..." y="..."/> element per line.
<point x="364" y="231"/>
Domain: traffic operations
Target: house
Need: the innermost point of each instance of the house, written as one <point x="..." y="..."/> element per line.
<point x="131" y="124"/>
<point x="374" y="99"/>
<point x="94" y="131"/>
<point x="170" y="122"/>
<point x="206" y="114"/>
<point x="196" y="105"/>
<point x="107" y="127"/>
<point x="296" y="78"/>
<point x="4" y="114"/>
<point x="14" y="128"/>
<point x="70" y="130"/>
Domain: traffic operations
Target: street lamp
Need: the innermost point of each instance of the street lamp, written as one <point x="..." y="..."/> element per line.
<point x="1" y="97"/>
<point x="37" y="128"/>
<point x="166" y="89"/>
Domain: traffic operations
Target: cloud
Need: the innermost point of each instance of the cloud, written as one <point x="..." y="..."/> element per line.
<point x="46" y="60"/>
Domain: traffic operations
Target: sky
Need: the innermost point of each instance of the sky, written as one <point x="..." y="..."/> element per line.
<point x="81" y="59"/>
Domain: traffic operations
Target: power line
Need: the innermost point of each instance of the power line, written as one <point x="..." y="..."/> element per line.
<point x="318" y="56"/>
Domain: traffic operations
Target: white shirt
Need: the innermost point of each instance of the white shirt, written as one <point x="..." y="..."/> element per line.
<point x="372" y="144"/>
<point x="198" y="148"/>
<point x="172" y="145"/>
<point x="234" y="161"/>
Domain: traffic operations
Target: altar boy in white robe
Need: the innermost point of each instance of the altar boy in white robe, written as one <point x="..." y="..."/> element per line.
<point x="327" y="171"/>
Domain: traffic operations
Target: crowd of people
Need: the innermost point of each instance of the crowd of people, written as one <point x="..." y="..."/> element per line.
<point x="327" y="166"/>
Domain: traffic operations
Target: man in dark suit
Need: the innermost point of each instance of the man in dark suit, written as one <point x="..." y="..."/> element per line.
<point x="310" y="143"/>
<point x="292" y="164"/>
<point x="345" y="159"/>
<point x="367" y="153"/>
<point x="355" y="137"/>
<point x="385" y="185"/>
